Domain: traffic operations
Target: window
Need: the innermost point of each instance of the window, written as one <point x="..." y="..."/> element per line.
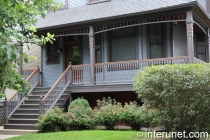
<point x="65" y="3"/>
<point x="208" y="5"/>
<point x="123" y="44"/>
<point x="53" y="55"/>
<point x="98" y="52"/>
<point x="201" y="49"/>
<point x="156" y="40"/>
<point x="205" y="4"/>
<point x="97" y="1"/>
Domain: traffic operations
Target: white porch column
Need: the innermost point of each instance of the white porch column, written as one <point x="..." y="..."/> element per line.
<point x="92" y="55"/>
<point x="190" y="42"/>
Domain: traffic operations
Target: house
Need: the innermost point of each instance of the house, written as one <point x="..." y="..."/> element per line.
<point x="107" y="42"/>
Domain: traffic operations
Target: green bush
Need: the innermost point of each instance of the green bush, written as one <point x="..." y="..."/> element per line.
<point x="52" y="121"/>
<point x="80" y="118"/>
<point x="180" y="92"/>
<point x="108" y="113"/>
<point x="136" y="116"/>
<point x="79" y="101"/>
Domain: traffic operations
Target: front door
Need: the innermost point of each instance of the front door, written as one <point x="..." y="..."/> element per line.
<point x="73" y="55"/>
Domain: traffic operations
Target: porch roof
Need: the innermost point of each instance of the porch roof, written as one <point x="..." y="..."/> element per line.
<point x="108" y="10"/>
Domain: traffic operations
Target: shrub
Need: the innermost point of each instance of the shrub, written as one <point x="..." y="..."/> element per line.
<point x="52" y="121"/>
<point x="180" y="92"/>
<point x="79" y="101"/>
<point x="136" y="116"/>
<point x="108" y="112"/>
<point x="79" y="116"/>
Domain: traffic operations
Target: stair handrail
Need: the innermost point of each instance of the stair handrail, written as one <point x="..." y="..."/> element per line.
<point x="56" y="91"/>
<point x="17" y="99"/>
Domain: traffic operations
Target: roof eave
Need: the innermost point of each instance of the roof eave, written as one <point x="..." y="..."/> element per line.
<point x="127" y="15"/>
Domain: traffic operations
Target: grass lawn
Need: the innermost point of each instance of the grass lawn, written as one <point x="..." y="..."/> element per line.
<point x="83" y="135"/>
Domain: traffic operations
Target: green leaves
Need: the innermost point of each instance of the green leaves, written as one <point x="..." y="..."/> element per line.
<point x="180" y="92"/>
<point x="17" y="27"/>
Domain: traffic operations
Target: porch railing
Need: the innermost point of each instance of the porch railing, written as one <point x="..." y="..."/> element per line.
<point x="81" y="74"/>
<point x="56" y="91"/>
<point x="119" y="71"/>
<point x="27" y="72"/>
<point x="17" y="99"/>
<point x="198" y="61"/>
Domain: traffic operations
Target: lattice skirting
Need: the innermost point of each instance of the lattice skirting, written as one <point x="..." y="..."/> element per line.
<point x="1" y="115"/>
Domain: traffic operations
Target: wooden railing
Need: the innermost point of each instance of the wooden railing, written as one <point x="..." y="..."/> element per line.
<point x="119" y="71"/>
<point x="56" y="91"/>
<point x="81" y="74"/>
<point x="17" y="99"/>
<point x="27" y="72"/>
<point x="198" y="61"/>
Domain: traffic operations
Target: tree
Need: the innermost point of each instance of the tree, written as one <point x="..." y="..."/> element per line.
<point x="180" y="92"/>
<point x="17" y="26"/>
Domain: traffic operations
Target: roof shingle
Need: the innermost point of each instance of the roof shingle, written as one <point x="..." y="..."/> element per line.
<point x="113" y="8"/>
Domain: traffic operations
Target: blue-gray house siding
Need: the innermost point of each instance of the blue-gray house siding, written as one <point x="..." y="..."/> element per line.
<point x="51" y="72"/>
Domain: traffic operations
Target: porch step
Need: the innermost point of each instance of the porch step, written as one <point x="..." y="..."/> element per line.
<point x="41" y="88"/>
<point x="20" y="126"/>
<point x="24" y="116"/>
<point x="37" y="97"/>
<point x="23" y="121"/>
<point x="41" y="92"/>
<point x="31" y="101"/>
<point x="27" y="111"/>
<point x="29" y="106"/>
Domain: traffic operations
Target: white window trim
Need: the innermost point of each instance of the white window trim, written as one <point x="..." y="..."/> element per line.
<point x="97" y="1"/>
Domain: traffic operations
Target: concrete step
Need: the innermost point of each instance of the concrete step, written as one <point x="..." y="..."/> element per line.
<point x="27" y="111"/>
<point x="16" y="131"/>
<point x="24" y="116"/>
<point x="20" y="126"/>
<point x="23" y="121"/>
<point x="29" y="106"/>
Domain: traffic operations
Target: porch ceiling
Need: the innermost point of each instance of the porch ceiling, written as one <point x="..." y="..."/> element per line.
<point x="109" y="10"/>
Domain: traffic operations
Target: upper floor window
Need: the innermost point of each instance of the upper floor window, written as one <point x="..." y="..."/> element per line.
<point x="205" y="4"/>
<point x="65" y="3"/>
<point x="96" y="1"/>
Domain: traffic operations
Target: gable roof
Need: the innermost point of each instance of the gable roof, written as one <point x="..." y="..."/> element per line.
<point x="114" y="8"/>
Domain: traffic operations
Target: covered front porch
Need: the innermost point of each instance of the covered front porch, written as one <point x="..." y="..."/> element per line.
<point x="112" y="53"/>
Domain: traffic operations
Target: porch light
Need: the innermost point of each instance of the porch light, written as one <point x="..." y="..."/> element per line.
<point x="59" y="50"/>
<point x="97" y="46"/>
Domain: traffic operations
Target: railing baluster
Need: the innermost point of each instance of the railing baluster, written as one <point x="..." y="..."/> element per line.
<point x="56" y="91"/>
<point x="14" y="102"/>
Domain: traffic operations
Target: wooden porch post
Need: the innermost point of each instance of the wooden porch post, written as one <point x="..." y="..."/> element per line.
<point x="20" y="61"/>
<point x="92" y="55"/>
<point x="207" y="44"/>
<point x="190" y="42"/>
<point x="6" y="113"/>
